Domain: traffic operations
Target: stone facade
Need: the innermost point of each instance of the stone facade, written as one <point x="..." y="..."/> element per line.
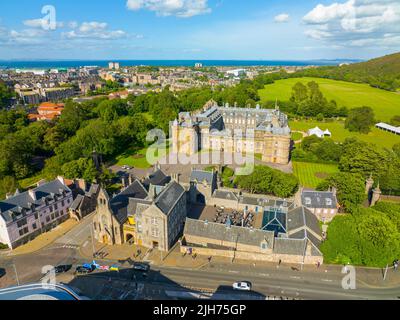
<point x="148" y="215"/>
<point x="234" y="130"/>
<point x="26" y="215"/>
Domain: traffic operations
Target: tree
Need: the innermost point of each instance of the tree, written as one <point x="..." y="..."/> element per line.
<point x="379" y="238"/>
<point x="366" y="237"/>
<point x="265" y="180"/>
<point x="80" y="169"/>
<point x="350" y="188"/>
<point x="360" y="120"/>
<point x="5" y="95"/>
<point x="8" y="184"/>
<point x="396" y="149"/>
<point x="395" y="121"/>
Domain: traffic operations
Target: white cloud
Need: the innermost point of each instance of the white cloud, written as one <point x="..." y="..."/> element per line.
<point x="94" y="30"/>
<point x="281" y="18"/>
<point x="356" y="22"/>
<point x="179" y="8"/>
<point x="40" y="23"/>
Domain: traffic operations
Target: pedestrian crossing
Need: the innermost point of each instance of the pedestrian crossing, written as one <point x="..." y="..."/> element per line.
<point x="65" y="246"/>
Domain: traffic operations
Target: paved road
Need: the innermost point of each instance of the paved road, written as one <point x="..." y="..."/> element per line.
<point x="78" y="235"/>
<point x="268" y="281"/>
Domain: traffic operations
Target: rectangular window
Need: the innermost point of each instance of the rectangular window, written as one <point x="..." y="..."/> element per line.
<point x="47" y="219"/>
<point x="52" y="216"/>
<point x="63" y="203"/>
<point x="34" y="226"/>
<point x="57" y="214"/>
<point x="55" y="206"/>
<point x="21" y="223"/>
<point x="155" y="233"/>
<point x="36" y="216"/>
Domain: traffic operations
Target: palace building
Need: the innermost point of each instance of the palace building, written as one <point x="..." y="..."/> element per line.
<point x="231" y="129"/>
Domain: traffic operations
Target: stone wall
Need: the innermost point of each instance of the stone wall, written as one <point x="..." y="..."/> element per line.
<point x="252" y="256"/>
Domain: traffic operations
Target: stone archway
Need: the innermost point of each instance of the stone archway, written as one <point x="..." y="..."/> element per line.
<point x="129" y="238"/>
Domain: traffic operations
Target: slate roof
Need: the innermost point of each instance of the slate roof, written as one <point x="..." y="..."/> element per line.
<point x="301" y="217"/>
<point x="226" y="195"/>
<point x="167" y="199"/>
<point x="319" y="200"/>
<point x="233" y="234"/>
<point x="22" y="202"/>
<point x="158" y="178"/>
<point x="201" y="176"/>
<point x="120" y="203"/>
<point x="77" y="202"/>
<point x="290" y="246"/>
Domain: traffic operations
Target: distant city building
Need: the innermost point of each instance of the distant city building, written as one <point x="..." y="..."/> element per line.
<point x="198" y="65"/>
<point x="319" y="133"/>
<point x="30" y="97"/>
<point x="26" y="215"/>
<point x="236" y="72"/>
<point x="215" y="128"/>
<point x="47" y="111"/>
<point x="113" y="65"/>
<point x="57" y="94"/>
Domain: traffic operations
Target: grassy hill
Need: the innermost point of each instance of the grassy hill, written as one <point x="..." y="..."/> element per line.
<point x="383" y="72"/>
<point x="385" y="104"/>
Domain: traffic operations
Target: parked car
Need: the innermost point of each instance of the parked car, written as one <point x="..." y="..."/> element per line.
<point x="143" y="267"/>
<point x="242" y="286"/>
<point x="82" y="270"/>
<point x="114" y="268"/>
<point x="62" y="268"/>
<point x="2" y="272"/>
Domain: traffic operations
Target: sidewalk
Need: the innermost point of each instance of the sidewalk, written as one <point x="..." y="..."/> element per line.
<point x="123" y="253"/>
<point x="367" y="277"/>
<point x="44" y="239"/>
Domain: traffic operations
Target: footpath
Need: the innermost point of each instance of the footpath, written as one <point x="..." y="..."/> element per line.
<point x="127" y="254"/>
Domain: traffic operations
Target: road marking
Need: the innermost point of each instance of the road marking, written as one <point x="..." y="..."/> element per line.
<point x="235" y="272"/>
<point x="327" y="280"/>
<point x="85" y="244"/>
<point x="293" y="277"/>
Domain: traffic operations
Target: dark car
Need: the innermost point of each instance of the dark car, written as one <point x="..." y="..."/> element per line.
<point x="83" y="270"/>
<point x="63" y="268"/>
<point x="2" y="272"/>
<point x="142" y="267"/>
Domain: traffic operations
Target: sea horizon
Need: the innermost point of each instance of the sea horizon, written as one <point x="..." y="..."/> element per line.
<point x="74" y="63"/>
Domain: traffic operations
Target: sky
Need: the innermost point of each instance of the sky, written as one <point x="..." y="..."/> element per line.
<point x="198" y="29"/>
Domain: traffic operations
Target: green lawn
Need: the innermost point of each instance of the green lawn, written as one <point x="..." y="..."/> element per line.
<point x="296" y="136"/>
<point x="311" y="174"/>
<point x="138" y="159"/>
<point x="385" y="104"/>
<point x="339" y="133"/>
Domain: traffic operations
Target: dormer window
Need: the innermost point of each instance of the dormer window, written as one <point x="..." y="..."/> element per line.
<point x="308" y="201"/>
